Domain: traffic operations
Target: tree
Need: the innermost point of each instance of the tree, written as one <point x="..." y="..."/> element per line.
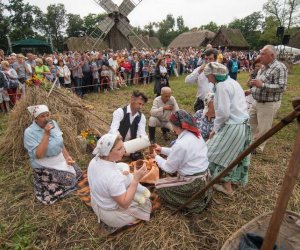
<point x="268" y="35"/>
<point x="150" y="28"/>
<point x="212" y="26"/>
<point x="75" y="25"/>
<point x="285" y="12"/>
<point x="4" y="24"/>
<point x="166" y="31"/>
<point x="180" y="25"/>
<point x="21" y="18"/>
<point x="250" y="27"/>
<point x="90" y="22"/>
<point x="56" y="22"/>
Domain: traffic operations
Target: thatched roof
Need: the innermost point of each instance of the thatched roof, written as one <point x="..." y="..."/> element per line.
<point x="84" y="43"/>
<point x="230" y="38"/>
<point x="295" y="40"/>
<point x="192" y="39"/>
<point x="149" y="42"/>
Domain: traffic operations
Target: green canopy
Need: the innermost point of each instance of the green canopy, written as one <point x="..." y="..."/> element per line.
<point x="30" y="42"/>
<point x="30" y="45"/>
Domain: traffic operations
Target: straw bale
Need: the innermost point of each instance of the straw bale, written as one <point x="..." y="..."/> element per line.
<point x="66" y="108"/>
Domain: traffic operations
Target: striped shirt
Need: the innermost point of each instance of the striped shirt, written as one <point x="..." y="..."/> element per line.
<point x="274" y="77"/>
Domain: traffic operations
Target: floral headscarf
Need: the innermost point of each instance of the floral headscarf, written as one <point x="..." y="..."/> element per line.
<point x="210" y="96"/>
<point x="184" y="120"/>
<point x="104" y="145"/>
<point x="219" y="70"/>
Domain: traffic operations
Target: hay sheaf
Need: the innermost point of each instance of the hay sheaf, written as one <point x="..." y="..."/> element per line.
<point x="66" y="108"/>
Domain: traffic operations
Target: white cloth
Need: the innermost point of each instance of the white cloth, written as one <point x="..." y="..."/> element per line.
<point x="204" y="86"/>
<point x="118" y="116"/>
<point x="36" y="110"/>
<point x="105" y="181"/>
<point x="104" y="145"/>
<point x="230" y="104"/>
<point x="57" y="162"/>
<point x="187" y="156"/>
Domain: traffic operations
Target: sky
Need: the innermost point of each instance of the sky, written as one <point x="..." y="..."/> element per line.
<point x="194" y="12"/>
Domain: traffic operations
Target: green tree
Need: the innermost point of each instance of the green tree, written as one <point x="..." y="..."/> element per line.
<point x="180" y="25"/>
<point x="212" y="26"/>
<point x="268" y="35"/>
<point x="90" y="22"/>
<point x="21" y="18"/>
<point x="166" y="31"/>
<point x="56" y="22"/>
<point x="149" y="28"/>
<point x="75" y="25"/>
<point x="285" y="12"/>
<point x="4" y="28"/>
<point x="250" y="27"/>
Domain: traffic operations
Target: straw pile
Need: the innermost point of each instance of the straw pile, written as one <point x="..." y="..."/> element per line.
<point x="67" y="109"/>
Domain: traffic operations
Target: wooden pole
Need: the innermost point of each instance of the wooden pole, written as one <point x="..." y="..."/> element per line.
<point x="286" y="191"/>
<point x="285" y="121"/>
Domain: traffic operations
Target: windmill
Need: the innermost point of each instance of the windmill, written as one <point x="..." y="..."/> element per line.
<point x="115" y="28"/>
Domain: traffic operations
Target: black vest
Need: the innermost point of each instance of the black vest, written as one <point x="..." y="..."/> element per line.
<point x="125" y="124"/>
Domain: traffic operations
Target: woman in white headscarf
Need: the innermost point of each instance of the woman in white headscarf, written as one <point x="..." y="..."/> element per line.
<point x="231" y="133"/>
<point x="55" y="172"/>
<point x="205" y="117"/>
<point x="111" y="196"/>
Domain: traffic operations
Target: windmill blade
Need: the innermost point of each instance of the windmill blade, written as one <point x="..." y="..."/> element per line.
<point x="127" y="6"/>
<point x="126" y="29"/>
<point x="106" y="24"/>
<point x="107" y="5"/>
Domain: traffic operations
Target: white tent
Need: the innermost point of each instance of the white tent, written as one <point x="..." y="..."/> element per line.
<point x="287" y="49"/>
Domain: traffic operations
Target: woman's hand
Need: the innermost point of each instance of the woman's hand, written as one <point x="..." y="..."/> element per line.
<point x="48" y="128"/>
<point x="70" y="161"/>
<point x="139" y="174"/>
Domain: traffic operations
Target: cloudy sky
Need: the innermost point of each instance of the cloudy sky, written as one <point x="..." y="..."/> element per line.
<point x="195" y="12"/>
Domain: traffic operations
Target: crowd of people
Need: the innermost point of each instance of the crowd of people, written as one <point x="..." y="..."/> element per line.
<point x="207" y="142"/>
<point x="103" y="71"/>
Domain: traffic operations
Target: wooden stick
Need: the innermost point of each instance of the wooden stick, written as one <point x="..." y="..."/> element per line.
<point x="53" y="84"/>
<point x="286" y="191"/>
<point x="285" y="121"/>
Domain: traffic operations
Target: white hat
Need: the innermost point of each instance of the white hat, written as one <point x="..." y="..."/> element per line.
<point x="37" y="110"/>
<point x="105" y="144"/>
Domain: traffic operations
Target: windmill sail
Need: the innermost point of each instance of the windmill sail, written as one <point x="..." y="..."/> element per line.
<point x="107" y="5"/>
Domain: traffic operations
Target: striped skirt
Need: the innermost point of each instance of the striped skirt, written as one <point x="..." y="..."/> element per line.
<point x="225" y="146"/>
<point x="177" y="193"/>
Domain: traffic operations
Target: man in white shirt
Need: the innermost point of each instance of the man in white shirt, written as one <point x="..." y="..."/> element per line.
<point x="204" y="86"/>
<point x="113" y="66"/>
<point x="160" y="112"/>
<point x="128" y="121"/>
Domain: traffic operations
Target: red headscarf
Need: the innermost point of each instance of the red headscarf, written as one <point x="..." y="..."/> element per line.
<point x="184" y="120"/>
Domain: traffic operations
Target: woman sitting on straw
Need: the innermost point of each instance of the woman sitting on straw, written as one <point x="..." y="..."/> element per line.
<point x="231" y="134"/>
<point x="111" y="196"/>
<point x="187" y="157"/>
<point x="205" y="117"/>
<point x="55" y="172"/>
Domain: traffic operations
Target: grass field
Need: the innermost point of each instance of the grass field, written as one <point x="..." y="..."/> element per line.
<point x="69" y="224"/>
